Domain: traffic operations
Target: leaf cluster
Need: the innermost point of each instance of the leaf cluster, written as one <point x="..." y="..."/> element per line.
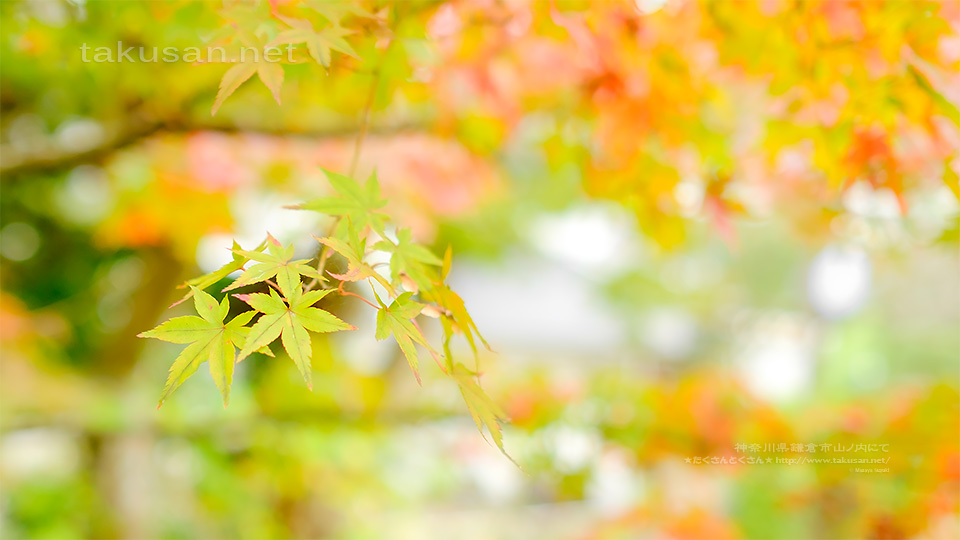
<point x="257" y="31"/>
<point x="413" y="286"/>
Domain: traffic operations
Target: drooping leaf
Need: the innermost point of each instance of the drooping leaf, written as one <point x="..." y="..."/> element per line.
<point x="485" y="412"/>
<point x="276" y="263"/>
<point x="289" y="320"/>
<point x="209" y="338"/>
<point x="359" y="205"/>
<point x="397" y="319"/>
<point x="455" y="312"/>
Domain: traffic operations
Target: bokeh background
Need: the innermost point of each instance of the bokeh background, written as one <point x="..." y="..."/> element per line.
<point x="685" y="228"/>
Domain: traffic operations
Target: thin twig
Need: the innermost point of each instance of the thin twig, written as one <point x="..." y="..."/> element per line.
<point x="348" y="293"/>
<point x="361" y="137"/>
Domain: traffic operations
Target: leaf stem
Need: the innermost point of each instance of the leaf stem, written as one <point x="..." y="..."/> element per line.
<point x="274" y="285"/>
<point x="348" y="293"/>
<point x="361" y="137"/>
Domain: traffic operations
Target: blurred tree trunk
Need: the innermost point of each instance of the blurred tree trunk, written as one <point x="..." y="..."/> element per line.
<point x="163" y="272"/>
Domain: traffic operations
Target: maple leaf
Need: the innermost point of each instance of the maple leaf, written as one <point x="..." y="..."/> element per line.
<point x="319" y="43"/>
<point x="485" y="411"/>
<point x="397" y="319"/>
<point x="207" y="280"/>
<point x="290" y="321"/>
<point x="275" y="263"/>
<point x="353" y="251"/>
<point x="408" y="257"/>
<point x="357" y="204"/>
<point x="209" y="338"/>
<point x="253" y="58"/>
<point x="455" y="316"/>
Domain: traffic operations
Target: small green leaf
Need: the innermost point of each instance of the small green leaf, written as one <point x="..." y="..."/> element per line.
<point x="276" y="263"/>
<point x="353" y="251"/>
<point x="358" y="205"/>
<point x="209" y="339"/>
<point x="290" y="321"/>
<point x="254" y="58"/>
<point x="408" y="258"/>
<point x="397" y="319"/>
<point x="319" y="43"/>
<point x="485" y="412"/>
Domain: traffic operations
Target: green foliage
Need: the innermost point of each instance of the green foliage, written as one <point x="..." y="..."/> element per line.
<point x="275" y="264"/>
<point x="288" y="311"/>
<point x="289" y="319"/>
<point x="398" y="319"/>
<point x="360" y="206"/>
<point x="353" y="251"/>
<point x="255" y="27"/>
<point x="209" y="338"/>
<point x="408" y="259"/>
<point x="319" y="43"/>
<point x="485" y="412"/>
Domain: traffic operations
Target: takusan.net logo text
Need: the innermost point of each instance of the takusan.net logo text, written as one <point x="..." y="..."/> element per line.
<point x="123" y="53"/>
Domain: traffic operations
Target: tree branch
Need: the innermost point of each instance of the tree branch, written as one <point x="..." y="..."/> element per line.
<point x="49" y="159"/>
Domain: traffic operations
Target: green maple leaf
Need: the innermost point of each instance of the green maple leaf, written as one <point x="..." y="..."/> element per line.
<point x="277" y="263"/>
<point x="353" y="250"/>
<point x="253" y="59"/>
<point x="209" y="338"/>
<point x="359" y="205"/>
<point x="397" y="319"/>
<point x="319" y="43"/>
<point x="290" y="321"/>
<point x="408" y="258"/>
<point x="485" y="411"/>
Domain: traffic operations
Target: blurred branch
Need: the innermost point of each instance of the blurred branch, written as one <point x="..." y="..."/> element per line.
<point x="50" y="159"/>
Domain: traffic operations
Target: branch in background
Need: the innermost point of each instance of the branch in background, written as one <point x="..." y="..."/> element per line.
<point x="50" y="158"/>
<point x="45" y="160"/>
